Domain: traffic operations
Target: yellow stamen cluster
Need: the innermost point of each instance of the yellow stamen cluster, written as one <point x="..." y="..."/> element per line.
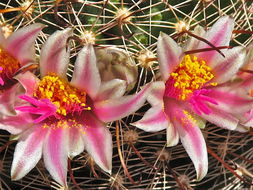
<point x="191" y="75"/>
<point x="9" y="64"/>
<point x="60" y="93"/>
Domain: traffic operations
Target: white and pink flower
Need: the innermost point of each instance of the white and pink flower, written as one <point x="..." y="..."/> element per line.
<point x="59" y="119"/>
<point x="194" y="90"/>
<point x="16" y="53"/>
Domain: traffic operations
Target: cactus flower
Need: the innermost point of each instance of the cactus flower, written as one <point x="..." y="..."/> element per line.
<point x="194" y="90"/>
<point x="59" y="119"/>
<point x="16" y="52"/>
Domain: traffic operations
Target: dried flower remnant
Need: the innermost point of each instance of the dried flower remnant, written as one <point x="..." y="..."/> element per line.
<point x="61" y="118"/>
<point x="116" y="63"/>
<point x="192" y="92"/>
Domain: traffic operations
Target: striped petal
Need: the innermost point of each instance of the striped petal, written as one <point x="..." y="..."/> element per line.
<point x="55" y="153"/>
<point x="193" y="43"/>
<point x="75" y="142"/>
<point x="172" y="136"/>
<point x="17" y="123"/>
<point x="218" y="35"/>
<point x="221" y="118"/>
<point x="28" y="151"/>
<point x="54" y="56"/>
<point x="227" y="67"/>
<point x="7" y="100"/>
<point x="114" y="109"/>
<point x="168" y="53"/>
<point x="21" y="43"/>
<point x="156" y="94"/>
<point x="29" y="81"/>
<point x="98" y="142"/>
<point x="154" y="120"/>
<point x="86" y="75"/>
<point x="190" y="135"/>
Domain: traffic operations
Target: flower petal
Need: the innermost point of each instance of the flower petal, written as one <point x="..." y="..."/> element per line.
<point x="29" y="81"/>
<point x="7" y="100"/>
<point x="17" y="123"/>
<point x="98" y="141"/>
<point x="55" y="153"/>
<point x="221" y="118"/>
<point x="227" y="67"/>
<point x="172" y="136"/>
<point x="154" y="120"/>
<point x="28" y="151"/>
<point x="168" y="53"/>
<point x="21" y="43"/>
<point x="75" y="142"/>
<point x="193" y="43"/>
<point x="229" y="100"/>
<point x="114" y="109"/>
<point x="218" y="35"/>
<point x="112" y="89"/>
<point x="190" y="135"/>
<point x="54" y="56"/>
<point x="155" y="97"/>
<point x="86" y="75"/>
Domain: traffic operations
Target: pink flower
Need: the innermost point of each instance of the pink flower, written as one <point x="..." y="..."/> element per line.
<point x="16" y="53"/>
<point x="58" y="118"/>
<point x="194" y="90"/>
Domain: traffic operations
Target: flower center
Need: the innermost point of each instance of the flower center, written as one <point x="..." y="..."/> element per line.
<point x="66" y="98"/>
<point x="192" y="74"/>
<point x="8" y="66"/>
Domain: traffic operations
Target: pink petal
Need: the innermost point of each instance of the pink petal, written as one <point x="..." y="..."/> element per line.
<point x="229" y="100"/>
<point x="227" y="67"/>
<point x="154" y="120"/>
<point x="219" y="35"/>
<point x="172" y="136"/>
<point x="193" y="43"/>
<point x="54" y="56"/>
<point x="27" y="152"/>
<point x="190" y="135"/>
<point x="21" y="43"/>
<point x="75" y="142"/>
<point x="221" y="118"/>
<point x="86" y="75"/>
<point x="98" y="142"/>
<point x="247" y="83"/>
<point x="16" y="124"/>
<point x="29" y="81"/>
<point x="168" y="53"/>
<point x="114" y="109"/>
<point x="55" y="153"/>
<point x="7" y="100"/>
<point x="112" y="89"/>
<point x="155" y="97"/>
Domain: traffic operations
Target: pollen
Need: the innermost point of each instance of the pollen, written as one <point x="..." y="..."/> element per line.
<point x="8" y="64"/>
<point x="192" y="74"/>
<point x="64" y="124"/>
<point x="67" y="98"/>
